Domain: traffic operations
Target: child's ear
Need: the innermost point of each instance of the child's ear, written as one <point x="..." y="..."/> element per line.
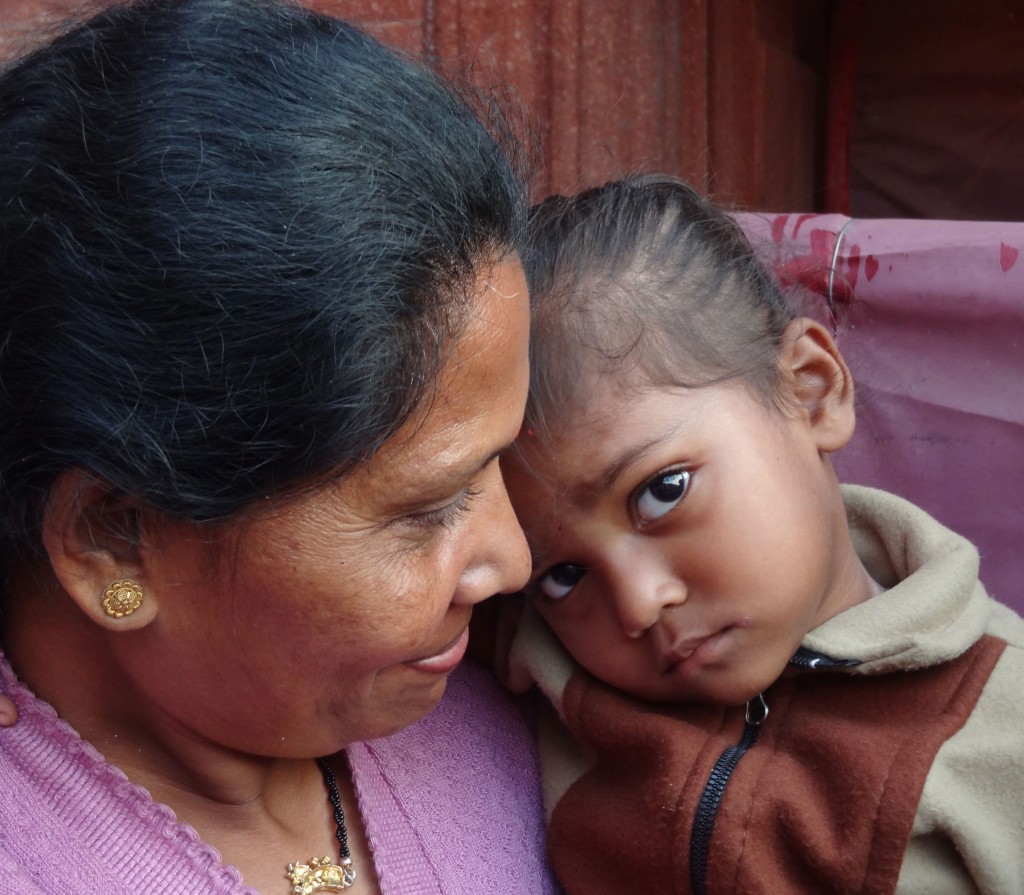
<point x="819" y="382"/>
<point x="93" y="536"/>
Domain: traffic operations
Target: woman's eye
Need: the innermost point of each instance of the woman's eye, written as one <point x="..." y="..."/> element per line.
<point x="559" y="580"/>
<point x="447" y="515"/>
<point x="662" y="494"/>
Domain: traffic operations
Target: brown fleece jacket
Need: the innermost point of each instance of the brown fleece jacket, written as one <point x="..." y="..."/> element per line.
<point x="904" y="773"/>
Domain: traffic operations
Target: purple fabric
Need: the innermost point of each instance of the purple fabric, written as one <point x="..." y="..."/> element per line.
<point x="451" y="805"/>
<point x="457" y="793"/>
<point x="931" y="321"/>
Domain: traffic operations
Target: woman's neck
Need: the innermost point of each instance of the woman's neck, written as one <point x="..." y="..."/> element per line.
<point x="261" y="813"/>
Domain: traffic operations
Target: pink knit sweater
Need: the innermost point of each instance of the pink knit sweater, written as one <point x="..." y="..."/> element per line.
<point x="451" y="807"/>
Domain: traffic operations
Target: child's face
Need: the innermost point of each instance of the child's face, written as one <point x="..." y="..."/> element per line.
<point x="684" y="541"/>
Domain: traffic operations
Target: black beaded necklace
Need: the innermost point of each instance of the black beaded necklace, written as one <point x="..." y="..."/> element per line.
<point x="322" y="874"/>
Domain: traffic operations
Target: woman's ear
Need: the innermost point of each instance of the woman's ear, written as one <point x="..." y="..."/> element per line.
<point x="92" y="534"/>
<point x="819" y="382"/>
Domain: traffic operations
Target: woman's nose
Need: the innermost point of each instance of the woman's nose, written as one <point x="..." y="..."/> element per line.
<point x="642" y="587"/>
<point x="501" y="558"/>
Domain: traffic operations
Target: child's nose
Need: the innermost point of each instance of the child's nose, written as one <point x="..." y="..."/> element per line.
<point x="643" y="589"/>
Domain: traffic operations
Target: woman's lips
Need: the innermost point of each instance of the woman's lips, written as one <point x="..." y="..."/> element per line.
<point x="446" y="659"/>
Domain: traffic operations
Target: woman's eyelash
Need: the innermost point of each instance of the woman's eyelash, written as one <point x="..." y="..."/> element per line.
<point x="446" y="515"/>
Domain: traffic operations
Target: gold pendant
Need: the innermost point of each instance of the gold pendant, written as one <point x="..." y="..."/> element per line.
<point x="321" y="875"/>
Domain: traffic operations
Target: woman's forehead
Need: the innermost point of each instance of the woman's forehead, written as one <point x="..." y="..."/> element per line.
<point x="475" y="410"/>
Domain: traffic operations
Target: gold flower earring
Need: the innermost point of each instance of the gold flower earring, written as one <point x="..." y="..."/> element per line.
<point x="122" y="598"/>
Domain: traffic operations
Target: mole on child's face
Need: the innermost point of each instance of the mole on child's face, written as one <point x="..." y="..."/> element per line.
<point x="682" y="540"/>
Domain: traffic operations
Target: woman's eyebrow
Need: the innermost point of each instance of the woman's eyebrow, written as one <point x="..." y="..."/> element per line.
<point x="460" y="472"/>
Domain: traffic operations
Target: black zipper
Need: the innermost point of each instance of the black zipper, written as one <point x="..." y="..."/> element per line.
<point x="714" y="790"/>
<point x="808" y="658"/>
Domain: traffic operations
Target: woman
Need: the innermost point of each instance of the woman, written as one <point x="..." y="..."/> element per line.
<point x="263" y="340"/>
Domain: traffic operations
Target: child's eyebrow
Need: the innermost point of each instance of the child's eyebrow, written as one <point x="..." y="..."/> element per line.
<point x="589" y="490"/>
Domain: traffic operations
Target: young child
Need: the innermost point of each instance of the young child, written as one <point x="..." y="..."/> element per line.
<point x="764" y="682"/>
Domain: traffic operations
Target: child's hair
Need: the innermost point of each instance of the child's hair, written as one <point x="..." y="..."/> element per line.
<point x="645" y="279"/>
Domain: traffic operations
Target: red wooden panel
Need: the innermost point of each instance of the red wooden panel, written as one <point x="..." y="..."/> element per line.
<point x="396" y="22"/>
<point x="727" y="94"/>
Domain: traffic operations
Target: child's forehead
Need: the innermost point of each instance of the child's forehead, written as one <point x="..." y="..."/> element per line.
<point x="591" y="409"/>
<point x="583" y="450"/>
<point x="620" y="420"/>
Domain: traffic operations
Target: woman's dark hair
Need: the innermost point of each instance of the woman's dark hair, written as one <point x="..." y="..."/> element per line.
<point x="237" y="239"/>
<point x="644" y="278"/>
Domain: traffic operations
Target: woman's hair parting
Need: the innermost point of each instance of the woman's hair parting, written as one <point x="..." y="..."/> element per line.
<point x="646" y="280"/>
<point x="237" y="239"/>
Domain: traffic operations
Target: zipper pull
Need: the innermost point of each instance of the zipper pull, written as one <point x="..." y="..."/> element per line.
<point x="757" y="711"/>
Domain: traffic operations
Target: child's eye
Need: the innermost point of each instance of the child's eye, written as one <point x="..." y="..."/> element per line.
<point x="662" y="494"/>
<point x="557" y="581"/>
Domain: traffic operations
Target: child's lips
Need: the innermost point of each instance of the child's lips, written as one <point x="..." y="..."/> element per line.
<point x="692" y="651"/>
